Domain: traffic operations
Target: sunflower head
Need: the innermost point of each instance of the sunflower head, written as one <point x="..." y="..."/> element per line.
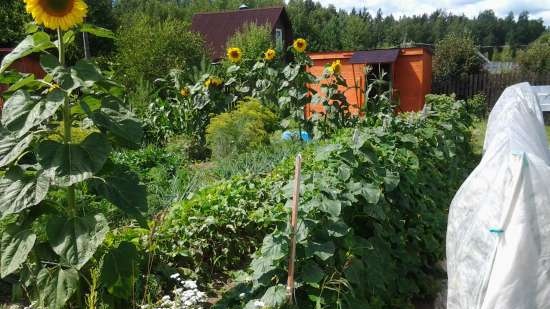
<point x="234" y="54"/>
<point x="300" y="45"/>
<point x="213" y="81"/>
<point x="185" y="91"/>
<point x="269" y="54"/>
<point x="57" y="14"/>
<point x="335" y="67"/>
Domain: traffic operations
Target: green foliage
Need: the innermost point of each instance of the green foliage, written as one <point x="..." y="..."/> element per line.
<point x="220" y="226"/>
<point x="49" y="185"/>
<point x="477" y="106"/>
<point x="536" y="58"/>
<point x="239" y="130"/>
<point x="253" y="39"/>
<point x="372" y="214"/>
<point x="148" y="49"/>
<point x="12" y="22"/>
<point x="455" y="57"/>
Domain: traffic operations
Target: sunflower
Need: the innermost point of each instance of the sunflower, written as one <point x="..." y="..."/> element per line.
<point x="213" y="81"/>
<point x="270" y="54"/>
<point x="335" y="67"/>
<point x="300" y="45"/>
<point x="234" y="54"/>
<point x="55" y="14"/>
<point x="185" y="92"/>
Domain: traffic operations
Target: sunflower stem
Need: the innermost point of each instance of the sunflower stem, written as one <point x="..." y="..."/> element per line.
<point x="67" y="121"/>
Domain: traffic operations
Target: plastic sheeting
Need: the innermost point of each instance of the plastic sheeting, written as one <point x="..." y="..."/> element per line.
<point x="498" y="235"/>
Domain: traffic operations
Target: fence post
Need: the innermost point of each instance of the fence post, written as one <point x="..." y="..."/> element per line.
<point x="293" y="227"/>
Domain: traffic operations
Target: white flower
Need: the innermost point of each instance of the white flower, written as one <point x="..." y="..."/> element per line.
<point x="175" y="276"/>
<point x="165" y="298"/>
<point x="190" y="284"/>
<point x="242" y="295"/>
<point x="259" y="304"/>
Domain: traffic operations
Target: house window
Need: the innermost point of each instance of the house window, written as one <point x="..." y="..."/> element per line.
<point x="279" y="38"/>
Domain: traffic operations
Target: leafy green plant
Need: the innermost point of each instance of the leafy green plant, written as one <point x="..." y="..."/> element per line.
<point x="239" y="130"/>
<point x="372" y="215"/>
<point x="52" y="234"/>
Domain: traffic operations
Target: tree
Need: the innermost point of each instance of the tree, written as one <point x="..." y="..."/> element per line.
<point x="12" y="22"/>
<point x="536" y="58"/>
<point x="455" y="57"/>
<point x="149" y="49"/>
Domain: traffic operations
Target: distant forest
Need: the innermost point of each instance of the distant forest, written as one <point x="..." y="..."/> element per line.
<point x="325" y="28"/>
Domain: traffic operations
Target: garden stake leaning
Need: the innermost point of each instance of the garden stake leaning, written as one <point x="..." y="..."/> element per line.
<point x="293" y="225"/>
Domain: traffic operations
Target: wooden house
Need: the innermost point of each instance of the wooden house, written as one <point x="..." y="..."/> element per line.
<point x="28" y="64"/>
<point x="408" y="72"/>
<point x="217" y="28"/>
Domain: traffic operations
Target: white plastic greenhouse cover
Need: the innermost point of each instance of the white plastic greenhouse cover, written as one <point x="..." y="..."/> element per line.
<point x="498" y="235"/>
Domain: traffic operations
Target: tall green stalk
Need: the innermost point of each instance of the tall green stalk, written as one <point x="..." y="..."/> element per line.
<point x="67" y="121"/>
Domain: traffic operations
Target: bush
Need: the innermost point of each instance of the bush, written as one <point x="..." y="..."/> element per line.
<point x="148" y="49"/>
<point x="455" y="57"/>
<point x="253" y="39"/>
<point x="237" y="131"/>
<point x="536" y="58"/>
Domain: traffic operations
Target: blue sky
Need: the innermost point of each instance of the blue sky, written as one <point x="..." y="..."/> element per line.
<point x="537" y="8"/>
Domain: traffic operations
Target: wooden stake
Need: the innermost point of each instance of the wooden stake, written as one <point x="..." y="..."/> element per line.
<point x="293" y="227"/>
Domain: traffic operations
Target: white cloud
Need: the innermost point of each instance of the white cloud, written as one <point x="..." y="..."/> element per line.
<point x="536" y="8"/>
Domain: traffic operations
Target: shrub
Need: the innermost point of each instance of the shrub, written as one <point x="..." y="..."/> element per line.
<point x="536" y="58"/>
<point x="148" y="49"/>
<point x="241" y="129"/>
<point x="455" y="57"/>
<point x="253" y="39"/>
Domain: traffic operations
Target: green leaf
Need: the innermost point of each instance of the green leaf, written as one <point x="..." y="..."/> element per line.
<point x="11" y="147"/>
<point x="275" y="296"/>
<point x="261" y="266"/>
<point x="391" y="181"/>
<point x="122" y="189"/>
<point x="322" y="250"/>
<point x="22" y="113"/>
<point x="56" y="286"/>
<point x="15" y="246"/>
<point x="74" y="163"/>
<point x="97" y="31"/>
<point x="120" y="271"/>
<point x="36" y="42"/>
<point x="331" y="207"/>
<point x="76" y="240"/>
<point x="28" y="81"/>
<point x="338" y="229"/>
<point x="274" y="247"/>
<point x="312" y="274"/>
<point x="85" y="73"/>
<point x="19" y="191"/>
<point x="120" y="122"/>
<point x="371" y="193"/>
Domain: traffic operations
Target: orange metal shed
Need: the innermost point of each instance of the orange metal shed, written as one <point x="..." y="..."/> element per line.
<point x="410" y="72"/>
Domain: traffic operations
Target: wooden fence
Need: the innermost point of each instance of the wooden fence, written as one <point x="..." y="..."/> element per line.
<point x="490" y="85"/>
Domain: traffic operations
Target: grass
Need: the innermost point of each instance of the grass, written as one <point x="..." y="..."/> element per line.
<point x="478" y="135"/>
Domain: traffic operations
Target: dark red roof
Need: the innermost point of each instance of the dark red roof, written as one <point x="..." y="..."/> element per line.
<point x="216" y="28"/>
<point x="375" y="56"/>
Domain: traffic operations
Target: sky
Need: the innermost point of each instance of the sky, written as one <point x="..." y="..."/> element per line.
<point x="536" y="8"/>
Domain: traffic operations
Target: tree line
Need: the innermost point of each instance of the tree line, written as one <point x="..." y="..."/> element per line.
<point x="325" y="27"/>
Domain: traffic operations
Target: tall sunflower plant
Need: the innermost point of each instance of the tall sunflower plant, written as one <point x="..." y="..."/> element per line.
<point x="56" y="134"/>
<point x="332" y="96"/>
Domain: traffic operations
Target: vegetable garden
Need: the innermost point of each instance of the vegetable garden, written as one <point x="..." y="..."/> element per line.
<point x="185" y="204"/>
